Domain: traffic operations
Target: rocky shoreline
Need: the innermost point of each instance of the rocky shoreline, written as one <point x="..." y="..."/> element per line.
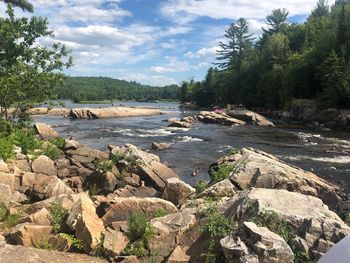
<point x="84" y="201"/>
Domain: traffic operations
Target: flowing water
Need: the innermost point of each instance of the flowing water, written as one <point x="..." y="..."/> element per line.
<point x="325" y="153"/>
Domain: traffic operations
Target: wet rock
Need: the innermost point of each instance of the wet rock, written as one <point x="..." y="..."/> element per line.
<point x="84" y="221"/>
<point x="250" y="117"/>
<point x="28" y="235"/>
<point x="23" y="254"/>
<point x="49" y="186"/>
<point x="119" y="208"/>
<point x="160" y="146"/>
<point x="45" y="131"/>
<point x="176" y="191"/>
<point x="219" y="118"/>
<point x="44" y="165"/>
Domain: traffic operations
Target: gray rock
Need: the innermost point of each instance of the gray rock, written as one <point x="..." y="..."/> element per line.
<point x="44" y="165"/>
<point x="176" y="191"/>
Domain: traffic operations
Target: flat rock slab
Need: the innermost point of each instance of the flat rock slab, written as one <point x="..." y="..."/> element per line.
<point x="112" y="112"/>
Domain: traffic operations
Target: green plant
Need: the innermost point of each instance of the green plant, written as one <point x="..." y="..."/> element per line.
<point x="25" y="138"/>
<point x="6" y="149"/>
<point x="222" y="172"/>
<point x="103" y="166"/>
<point x="4" y="211"/>
<point x="301" y="257"/>
<point x="44" y="244"/>
<point x="136" y="248"/>
<point x="347" y="219"/>
<point x="274" y="223"/>
<point x="217" y="226"/>
<point x="117" y="157"/>
<point x="160" y="212"/>
<point x="200" y="186"/>
<point x="7" y="218"/>
<point x="94" y="190"/>
<point x="59" y="215"/>
<point x="59" y="142"/>
<point x="233" y="151"/>
<point x="99" y="250"/>
<point x="76" y="244"/>
<point x="51" y="151"/>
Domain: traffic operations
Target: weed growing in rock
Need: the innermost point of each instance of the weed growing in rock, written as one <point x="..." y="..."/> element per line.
<point x="44" y="244"/>
<point x="94" y="190"/>
<point x="7" y="218"/>
<point x="103" y="166"/>
<point x="222" y="172"/>
<point x="233" y="151"/>
<point x="59" y="215"/>
<point x="117" y="157"/>
<point x="141" y="232"/>
<point x="200" y="186"/>
<point x="59" y="142"/>
<point x="160" y="213"/>
<point x="76" y="244"/>
<point x="51" y="151"/>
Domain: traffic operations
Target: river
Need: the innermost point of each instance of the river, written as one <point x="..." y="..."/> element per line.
<point x="325" y="153"/>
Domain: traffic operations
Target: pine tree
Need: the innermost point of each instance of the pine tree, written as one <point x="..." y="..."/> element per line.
<point x="24" y="4"/>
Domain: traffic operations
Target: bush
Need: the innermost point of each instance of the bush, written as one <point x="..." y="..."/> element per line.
<point x="233" y="151"/>
<point x="200" y="186"/>
<point x="222" y="172"/>
<point x="51" y="151"/>
<point x="136" y="248"/>
<point x="59" y="142"/>
<point x="7" y="218"/>
<point x="103" y="166"/>
<point x="160" y="213"/>
<point x="44" y="244"/>
<point x="6" y="149"/>
<point x="76" y="244"/>
<point x="25" y="138"/>
<point x="59" y="215"/>
<point x="117" y="157"/>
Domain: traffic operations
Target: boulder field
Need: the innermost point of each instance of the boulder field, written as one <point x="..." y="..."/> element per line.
<point x="124" y="205"/>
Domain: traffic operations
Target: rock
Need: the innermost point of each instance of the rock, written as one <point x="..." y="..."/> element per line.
<point x="180" y="124"/>
<point x="3" y="167"/>
<point x="44" y="165"/>
<point x="310" y="218"/>
<point x="236" y="251"/>
<point x="45" y="131"/>
<point x="42" y="217"/>
<point x="146" y="165"/>
<point x="178" y="256"/>
<point x="168" y="229"/>
<point x="84" y="221"/>
<point x="160" y="146"/>
<point x="72" y="144"/>
<point x="119" y="208"/>
<point x="223" y="188"/>
<point x="114" y="242"/>
<point x="8" y="179"/>
<point x="87" y="154"/>
<point x="23" y="165"/>
<point x="5" y="192"/>
<point x="254" y="168"/>
<point x="250" y="117"/>
<point x="63" y="173"/>
<point x="49" y="186"/>
<point x="111" y="112"/>
<point x="10" y="253"/>
<point x="130" y="191"/>
<point x="268" y="246"/>
<point x="105" y="182"/>
<point x="219" y="118"/>
<point x="176" y="191"/>
<point x="130" y="181"/>
<point x="28" y="235"/>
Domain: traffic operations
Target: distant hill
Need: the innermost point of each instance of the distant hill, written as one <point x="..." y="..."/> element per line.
<point x="101" y="88"/>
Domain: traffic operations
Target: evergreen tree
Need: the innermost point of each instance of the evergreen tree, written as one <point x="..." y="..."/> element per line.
<point x="24" y="4"/>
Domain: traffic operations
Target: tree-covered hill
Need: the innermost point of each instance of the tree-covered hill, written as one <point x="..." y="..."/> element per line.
<point x="102" y="88"/>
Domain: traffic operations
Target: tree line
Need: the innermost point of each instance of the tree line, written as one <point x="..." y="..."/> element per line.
<point x="289" y="61"/>
<point x="81" y="89"/>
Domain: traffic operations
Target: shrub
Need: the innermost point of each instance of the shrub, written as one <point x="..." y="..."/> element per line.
<point x="136" y="248"/>
<point x="200" y="186"/>
<point x="7" y="218"/>
<point x="76" y="244"/>
<point x="160" y="212"/>
<point x="94" y="190"/>
<point x="233" y="151"/>
<point x="6" y="149"/>
<point x="103" y="166"/>
<point x="117" y="157"/>
<point x="4" y="212"/>
<point x="44" y="244"/>
<point x="25" y="138"/>
<point x="59" y="215"/>
<point x="59" y="142"/>
<point x="51" y="151"/>
<point x="222" y="172"/>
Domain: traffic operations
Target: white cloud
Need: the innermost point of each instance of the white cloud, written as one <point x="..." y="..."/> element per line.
<point x="172" y="65"/>
<point x="156" y="80"/>
<point x="234" y="9"/>
<point x="203" y="52"/>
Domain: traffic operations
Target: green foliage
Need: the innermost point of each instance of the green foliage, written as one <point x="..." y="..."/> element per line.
<point x="301" y="257"/>
<point x="103" y="166"/>
<point x="222" y="172"/>
<point x="51" y="151"/>
<point x="7" y="218"/>
<point x="24" y="4"/>
<point x="200" y="186"/>
<point x="94" y="190"/>
<point x="160" y="212"/>
<point x="25" y="138"/>
<point x="59" y="142"/>
<point x="233" y="151"/>
<point x="44" y="244"/>
<point x="346" y="220"/>
<point x="274" y="223"/>
<point x="4" y="212"/>
<point x="117" y="157"/>
<point x="76" y="244"/>
<point x="6" y="149"/>
<point x="140" y="232"/>
<point x="59" y="215"/>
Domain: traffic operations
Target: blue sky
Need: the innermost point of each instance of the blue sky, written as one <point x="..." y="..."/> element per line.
<point x="155" y="42"/>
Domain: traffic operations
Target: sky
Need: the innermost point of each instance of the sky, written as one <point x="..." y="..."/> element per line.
<point x="154" y="42"/>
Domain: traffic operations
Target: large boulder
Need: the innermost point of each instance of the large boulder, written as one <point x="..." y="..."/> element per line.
<point x="114" y="242"/>
<point x="146" y="165"/>
<point x="8" y="179"/>
<point x="111" y="112"/>
<point x="89" y="154"/>
<point x="176" y="191"/>
<point x="5" y="192"/>
<point x="83" y="220"/>
<point x="309" y="218"/>
<point x="49" y="186"/>
<point x="250" y="117"/>
<point x="44" y="165"/>
<point x="119" y="208"/>
<point x="13" y="254"/>
<point x="45" y="131"/>
<point x="224" y="188"/>
<point x="218" y="118"/>
<point x="254" y="168"/>
<point x="28" y="235"/>
<point x="160" y="146"/>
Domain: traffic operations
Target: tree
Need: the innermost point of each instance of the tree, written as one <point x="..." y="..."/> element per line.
<point x="24" y="4"/>
<point x="321" y="10"/>
<point x="28" y="71"/>
<point x="277" y="21"/>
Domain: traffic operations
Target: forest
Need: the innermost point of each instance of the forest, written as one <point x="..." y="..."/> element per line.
<point x="81" y="89"/>
<point x="288" y="62"/>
